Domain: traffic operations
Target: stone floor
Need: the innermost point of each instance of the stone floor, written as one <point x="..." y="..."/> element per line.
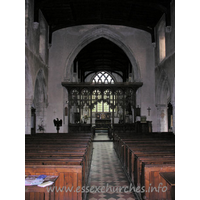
<point x="107" y="175"/>
<point x="100" y="137"/>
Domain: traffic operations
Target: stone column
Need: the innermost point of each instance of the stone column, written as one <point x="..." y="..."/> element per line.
<point x="162" y="120"/>
<point x="173" y="105"/>
<point x="28" y="103"/>
<point x="40" y="115"/>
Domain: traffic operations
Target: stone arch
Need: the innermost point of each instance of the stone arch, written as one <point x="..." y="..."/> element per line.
<point x="94" y="34"/>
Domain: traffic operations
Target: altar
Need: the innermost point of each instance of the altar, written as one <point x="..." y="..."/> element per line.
<point x="103" y="123"/>
<point x="103" y="120"/>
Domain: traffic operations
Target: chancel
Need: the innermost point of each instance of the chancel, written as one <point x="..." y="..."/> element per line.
<point x="100" y="91"/>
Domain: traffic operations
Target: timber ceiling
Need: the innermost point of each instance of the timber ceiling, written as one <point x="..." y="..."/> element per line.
<point x="141" y="14"/>
<point x="102" y="54"/>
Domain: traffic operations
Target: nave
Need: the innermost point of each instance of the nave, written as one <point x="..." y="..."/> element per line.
<point x="106" y="170"/>
<point x="99" y="165"/>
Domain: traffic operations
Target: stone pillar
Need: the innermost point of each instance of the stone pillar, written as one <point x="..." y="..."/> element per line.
<point x="162" y="120"/>
<point x="173" y="105"/>
<point x="40" y="115"/>
<point x="28" y="103"/>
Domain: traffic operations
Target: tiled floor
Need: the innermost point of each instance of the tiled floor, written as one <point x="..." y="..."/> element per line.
<point x="107" y="175"/>
<point x="99" y="137"/>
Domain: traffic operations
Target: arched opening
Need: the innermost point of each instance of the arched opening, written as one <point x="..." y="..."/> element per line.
<point x="161" y="41"/>
<point x="107" y="33"/>
<point x="102" y="58"/>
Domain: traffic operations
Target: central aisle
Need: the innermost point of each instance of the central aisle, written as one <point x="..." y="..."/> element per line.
<point x="106" y="170"/>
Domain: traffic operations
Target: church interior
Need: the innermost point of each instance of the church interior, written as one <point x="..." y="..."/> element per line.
<point x="100" y="97"/>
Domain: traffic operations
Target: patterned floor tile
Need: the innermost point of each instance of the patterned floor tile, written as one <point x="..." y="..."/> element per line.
<point x="107" y="174"/>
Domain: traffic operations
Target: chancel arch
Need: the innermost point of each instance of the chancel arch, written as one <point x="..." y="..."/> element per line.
<point x="99" y="66"/>
<point x="98" y="32"/>
<point x="117" y="67"/>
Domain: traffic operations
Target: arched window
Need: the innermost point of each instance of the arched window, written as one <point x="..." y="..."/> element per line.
<point x="102" y="101"/>
<point x="103" y="77"/>
<point x="161" y="42"/>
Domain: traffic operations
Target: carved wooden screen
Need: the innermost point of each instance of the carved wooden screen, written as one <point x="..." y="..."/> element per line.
<point x="88" y="99"/>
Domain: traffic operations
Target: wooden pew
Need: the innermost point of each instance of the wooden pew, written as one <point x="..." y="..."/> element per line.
<point x="168" y="179"/>
<point x="145" y="155"/>
<point x="55" y="154"/>
<point x="140" y="157"/>
<point x="127" y="146"/>
<point x="154" y="160"/>
<point x="132" y="158"/>
<point x="150" y="175"/>
<point x="67" y="152"/>
<point x="68" y="157"/>
<point x="69" y="176"/>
